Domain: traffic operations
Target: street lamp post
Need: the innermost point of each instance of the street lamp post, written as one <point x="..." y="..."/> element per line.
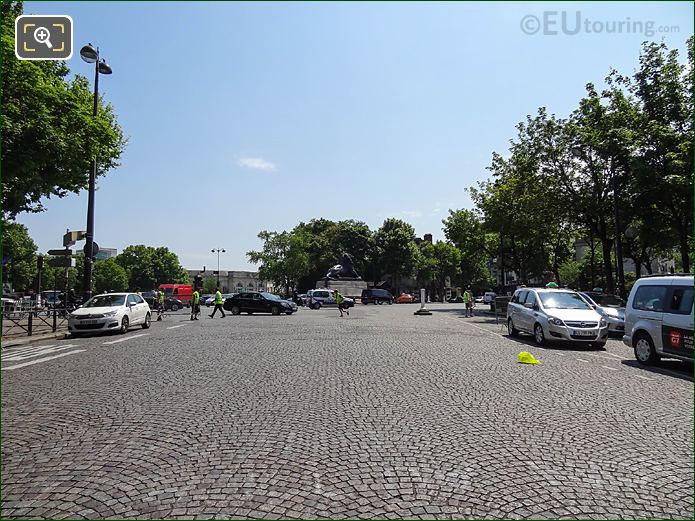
<point x="91" y="55"/>
<point x="218" y="250"/>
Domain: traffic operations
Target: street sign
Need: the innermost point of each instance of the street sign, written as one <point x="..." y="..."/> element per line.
<point x="95" y="249"/>
<point x="61" y="262"/>
<point x="71" y="238"/>
<point x="64" y="251"/>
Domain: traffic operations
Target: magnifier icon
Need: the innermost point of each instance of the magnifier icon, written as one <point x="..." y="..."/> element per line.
<point x="42" y="35"/>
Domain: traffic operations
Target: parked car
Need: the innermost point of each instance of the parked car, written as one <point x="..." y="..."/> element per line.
<point x="555" y="315"/>
<point x="610" y="307"/>
<point x="489" y="297"/>
<point x="455" y="300"/>
<point x="319" y="298"/>
<point x="254" y="302"/>
<point x="479" y="300"/>
<point x="405" y="298"/>
<point x="376" y="296"/>
<point x="659" y="318"/>
<point x="110" y="312"/>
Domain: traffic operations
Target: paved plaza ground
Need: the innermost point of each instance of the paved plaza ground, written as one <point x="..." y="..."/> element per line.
<point x="381" y="414"/>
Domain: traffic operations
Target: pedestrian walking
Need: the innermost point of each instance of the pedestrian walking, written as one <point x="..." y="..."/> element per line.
<point x="218" y="304"/>
<point x="341" y="303"/>
<point x="468" y="301"/>
<point x="160" y="300"/>
<point x="195" y="305"/>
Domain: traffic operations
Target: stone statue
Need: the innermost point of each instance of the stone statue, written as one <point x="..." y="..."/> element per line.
<point x="344" y="270"/>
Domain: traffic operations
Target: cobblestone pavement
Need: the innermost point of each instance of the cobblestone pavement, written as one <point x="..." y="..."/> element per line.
<point x="381" y="414"/>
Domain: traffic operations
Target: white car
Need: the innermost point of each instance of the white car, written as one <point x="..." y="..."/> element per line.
<point x="110" y="312"/>
<point x="555" y="314"/>
<point x="489" y="297"/>
<point x="659" y="318"/>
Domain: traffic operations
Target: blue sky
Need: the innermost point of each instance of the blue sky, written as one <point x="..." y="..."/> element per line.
<point x="244" y="117"/>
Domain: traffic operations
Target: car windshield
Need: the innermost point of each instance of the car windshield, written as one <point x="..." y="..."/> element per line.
<point x="611" y="301"/>
<point x="106" y="301"/>
<point x="562" y="300"/>
<point x="270" y="296"/>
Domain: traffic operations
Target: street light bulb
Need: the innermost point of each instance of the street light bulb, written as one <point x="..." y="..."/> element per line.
<point x="104" y="68"/>
<point x="89" y="53"/>
<point x="224" y="251"/>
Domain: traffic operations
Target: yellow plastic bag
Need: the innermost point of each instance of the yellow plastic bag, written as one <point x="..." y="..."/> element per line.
<point x="527" y="358"/>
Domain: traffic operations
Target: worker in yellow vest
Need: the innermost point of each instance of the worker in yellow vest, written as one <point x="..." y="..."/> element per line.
<point x="218" y="304"/>
<point x="341" y="303"/>
<point x="195" y="305"/>
<point x="160" y="299"/>
<point x="468" y="301"/>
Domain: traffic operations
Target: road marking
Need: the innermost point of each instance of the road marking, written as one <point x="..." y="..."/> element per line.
<point x="582" y="360"/>
<point x="484" y="329"/>
<point x="643" y="377"/>
<point x="42" y="360"/>
<point x="558" y="354"/>
<point x="38" y="353"/>
<point x="24" y="350"/>
<point x="617" y="356"/>
<point x="605" y="357"/>
<point x="124" y="339"/>
<point x="609" y="368"/>
<point x="174" y="327"/>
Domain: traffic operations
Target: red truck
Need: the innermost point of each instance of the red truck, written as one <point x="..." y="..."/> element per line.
<point x="183" y="292"/>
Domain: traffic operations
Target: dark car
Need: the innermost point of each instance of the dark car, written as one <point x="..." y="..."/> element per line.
<point x="170" y="303"/>
<point x="376" y="296"/>
<point x="254" y="302"/>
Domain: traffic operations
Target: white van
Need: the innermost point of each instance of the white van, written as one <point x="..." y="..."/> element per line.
<point x="659" y="318"/>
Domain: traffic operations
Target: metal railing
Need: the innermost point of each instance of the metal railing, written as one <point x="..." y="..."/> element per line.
<point x="24" y="318"/>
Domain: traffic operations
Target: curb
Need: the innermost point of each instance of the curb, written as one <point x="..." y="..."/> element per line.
<point x="31" y="339"/>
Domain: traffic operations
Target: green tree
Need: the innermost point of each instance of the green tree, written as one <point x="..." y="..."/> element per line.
<point x="467" y="232"/>
<point x="283" y="259"/>
<point x="448" y="261"/>
<point x="396" y="250"/>
<point x="209" y="284"/>
<point x="19" y="256"/>
<point x="108" y="275"/>
<point x="46" y="126"/>
<point x="148" y="267"/>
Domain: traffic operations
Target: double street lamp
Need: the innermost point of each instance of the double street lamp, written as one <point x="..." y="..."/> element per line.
<point x="91" y="55"/>
<point x="218" y="250"/>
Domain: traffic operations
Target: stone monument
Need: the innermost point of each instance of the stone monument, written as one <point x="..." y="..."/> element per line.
<point x="344" y="278"/>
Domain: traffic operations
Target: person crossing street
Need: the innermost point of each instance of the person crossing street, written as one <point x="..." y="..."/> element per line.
<point x="195" y="305"/>
<point x="341" y="303"/>
<point x="160" y="301"/>
<point x="218" y="304"/>
<point x="468" y="301"/>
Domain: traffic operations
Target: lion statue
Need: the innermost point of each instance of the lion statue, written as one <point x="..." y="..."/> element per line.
<point x="344" y="270"/>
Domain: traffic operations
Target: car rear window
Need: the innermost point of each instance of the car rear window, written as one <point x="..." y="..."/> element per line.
<point x="681" y="301"/>
<point x="649" y="298"/>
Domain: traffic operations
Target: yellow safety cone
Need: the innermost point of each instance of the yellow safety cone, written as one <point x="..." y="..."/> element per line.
<point x="527" y="358"/>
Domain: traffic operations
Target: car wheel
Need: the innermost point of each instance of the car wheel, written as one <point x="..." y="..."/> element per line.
<point x="146" y="323"/>
<point x="511" y="330"/>
<point x="538" y="335"/>
<point x="275" y="310"/>
<point x="379" y="302"/>
<point x="174" y="307"/>
<point x="125" y="324"/>
<point x="390" y="302"/>
<point x="645" y="353"/>
<point x="316" y="306"/>
<point x="235" y="310"/>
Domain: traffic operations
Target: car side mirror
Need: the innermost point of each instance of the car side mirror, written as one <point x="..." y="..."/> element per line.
<point x="536" y="307"/>
<point x="529" y="305"/>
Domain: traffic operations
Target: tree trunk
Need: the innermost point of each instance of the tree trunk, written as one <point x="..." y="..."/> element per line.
<point x="607" y="245"/>
<point x="685" y="250"/>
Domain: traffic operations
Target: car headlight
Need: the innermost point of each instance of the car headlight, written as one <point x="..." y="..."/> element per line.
<point x="604" y="323"/>
<point x="110" y="313"/>
<point x="555" y="321"/>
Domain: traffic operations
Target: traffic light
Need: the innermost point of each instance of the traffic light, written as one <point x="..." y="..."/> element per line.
<point x="198" y="282"/>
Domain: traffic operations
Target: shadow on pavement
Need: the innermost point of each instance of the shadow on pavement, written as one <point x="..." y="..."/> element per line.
<point x="674" y="368"/>
<point x="555" y="346"/>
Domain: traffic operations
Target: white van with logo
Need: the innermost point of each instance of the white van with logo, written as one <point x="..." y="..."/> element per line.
<point x="659" y="318"/>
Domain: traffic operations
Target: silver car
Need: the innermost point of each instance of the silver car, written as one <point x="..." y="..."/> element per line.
<point x="610" y="307"/>
<point x="555" y="315"/>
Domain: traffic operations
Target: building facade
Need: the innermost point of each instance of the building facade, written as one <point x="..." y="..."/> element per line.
<point x="106" y="253"/>
<point x="234" y="281"/>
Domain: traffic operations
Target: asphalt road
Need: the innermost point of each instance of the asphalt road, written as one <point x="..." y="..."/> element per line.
<point x="381" y="414"/>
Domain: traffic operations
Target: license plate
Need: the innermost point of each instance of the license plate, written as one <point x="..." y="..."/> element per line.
<point x="89" y="322"/>
<point x="579" y="332"/>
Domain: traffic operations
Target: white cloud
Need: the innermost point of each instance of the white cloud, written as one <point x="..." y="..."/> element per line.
<point x="256" y="163"/>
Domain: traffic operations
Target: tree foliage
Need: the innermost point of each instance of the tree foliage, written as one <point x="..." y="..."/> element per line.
<point x="283" y="259"/>
<point x="148" y="267"/>
<point x="19" y="256"/>
<point x="49" y="135"/>
<point x="109" y="276"/>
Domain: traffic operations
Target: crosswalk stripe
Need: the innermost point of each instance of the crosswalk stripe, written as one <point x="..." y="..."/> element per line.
<point x="582" y="360"/>
<point x="124" y="339"/>
<point x="23" y="350"/>
<point x="25" y="364"/>
<point x="38" y="353"/>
